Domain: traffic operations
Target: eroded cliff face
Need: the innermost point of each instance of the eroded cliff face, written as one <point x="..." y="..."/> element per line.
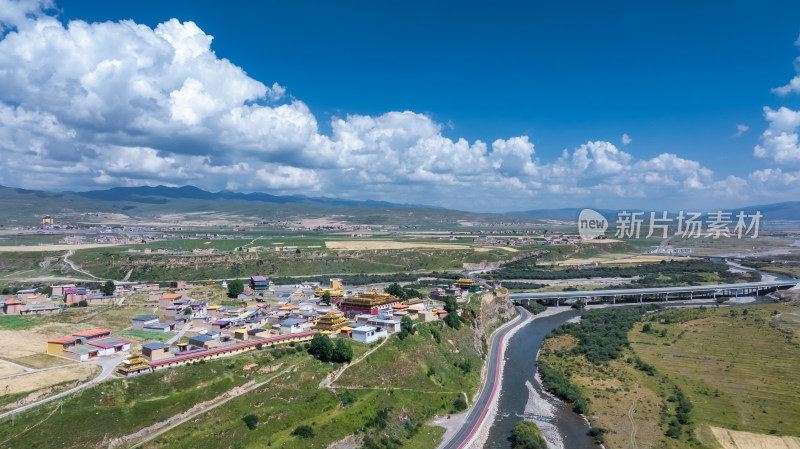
<point x="496" y="309"/>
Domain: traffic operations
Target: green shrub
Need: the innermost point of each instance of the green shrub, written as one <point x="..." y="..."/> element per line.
<point x="460" y="404"/>
<point x="527" y="436"/>
<point x="250" y="421"/>
<point x="303" y="431"/>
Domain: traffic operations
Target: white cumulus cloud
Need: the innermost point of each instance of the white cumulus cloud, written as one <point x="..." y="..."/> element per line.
<point x="88" y="105"/>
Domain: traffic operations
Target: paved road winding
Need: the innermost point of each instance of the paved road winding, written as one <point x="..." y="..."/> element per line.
<point x="491" y="387"/>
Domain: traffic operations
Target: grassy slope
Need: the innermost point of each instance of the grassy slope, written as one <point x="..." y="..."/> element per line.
<point x="406" y="363"/>
<point x="738" y="371"/>
<point x="746" y="385"/>
<point x="115" y="263"/>
<point x="121" y="406"/>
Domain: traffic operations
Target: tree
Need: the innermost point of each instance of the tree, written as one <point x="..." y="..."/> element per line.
<point x="297" y="251"/>
<point x="453" y="320"/>
<point x="460" y="404"/>
<point x="326" y="297"/>
<point x="108" y="288"/>
<point x="47" y="290"/>
<point x="527" y="436"/>
<point x="250" y="421"/>
<point x="342" y="351"/>
<point x="235" y="288"/>
<point x="406" y="325"/>
<point x="83" y="303"/>
<point x="450" y="304"/>
<point x="321" y="348"/>
<point x="396" y="290"/>
<point x="187" y="311"/>
<point x="303" y="431"/>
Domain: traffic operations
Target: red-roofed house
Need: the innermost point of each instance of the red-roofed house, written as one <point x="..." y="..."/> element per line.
<point x="167" y="300"/>
<point x="57" y="346"/>
<point x="12" y="306"/>
<point x="93" y="334"/>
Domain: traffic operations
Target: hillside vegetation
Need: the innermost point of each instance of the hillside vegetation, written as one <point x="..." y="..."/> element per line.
<point x="666" y="378"/>
<point x="676" y="272"/>
<point x="115" y="264"/>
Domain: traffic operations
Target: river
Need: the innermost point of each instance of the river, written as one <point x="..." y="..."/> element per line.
<point x="520" y="389"/>
<point x="519" y="369"/>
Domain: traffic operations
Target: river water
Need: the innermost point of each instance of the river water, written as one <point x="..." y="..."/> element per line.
<point x="520" y="369"/>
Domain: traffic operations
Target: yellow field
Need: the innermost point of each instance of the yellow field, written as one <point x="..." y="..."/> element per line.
<point x="486" y="249"/>
<point x="601" y="241"/>
<point x="356" y="245"/>
<point x="20" y="345"/>
<point x="739" y="371"/>
<point x="43" y="379"/>
<point x="623" y="400"/>
<point x="734" y="439"/>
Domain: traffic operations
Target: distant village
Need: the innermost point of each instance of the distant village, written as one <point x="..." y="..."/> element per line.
<point x="268" y="316"/>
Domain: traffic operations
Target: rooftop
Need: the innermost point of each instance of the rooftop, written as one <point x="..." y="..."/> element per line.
<point x="92" y="332"/>
<point x="82" y="349"/>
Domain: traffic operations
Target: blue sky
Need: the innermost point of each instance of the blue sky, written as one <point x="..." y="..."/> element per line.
<point x="676" y="77"/>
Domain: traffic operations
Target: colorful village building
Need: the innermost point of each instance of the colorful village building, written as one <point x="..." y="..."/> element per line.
<point x="259" y="283"/>
<point x="167" y="300"/>
<point x="368" y="302"/>
<point x="331" y="322"/>
<point x="336" y="291"/>
<point x="87" y="345"/>
<point x="155" y="351"/>
<point x="60" y="290"/>
<point x="133" y="364"/>
<point x="465" y="284"/>
<point x="13" y="306"/>
<point x="75" y="295"/>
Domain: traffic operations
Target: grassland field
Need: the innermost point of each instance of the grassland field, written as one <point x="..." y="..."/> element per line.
<point x="735" y="365"/>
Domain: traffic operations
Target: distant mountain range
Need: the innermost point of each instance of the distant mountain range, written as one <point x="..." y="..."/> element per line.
<point x="164" y="194"/>
<point x="141" y="203"/>
<point x="156" y="204"/>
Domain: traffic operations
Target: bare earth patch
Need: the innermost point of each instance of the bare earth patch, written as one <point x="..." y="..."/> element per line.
<point x="19" y="345"/>
<point x="43" y="379"/>
<point x="735" y="439"/>
<point x="485" y="249"/>
<point x="7" y="370"/>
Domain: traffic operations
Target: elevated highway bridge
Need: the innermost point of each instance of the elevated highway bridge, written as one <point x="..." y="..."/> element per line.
<point x="658" y="293"/>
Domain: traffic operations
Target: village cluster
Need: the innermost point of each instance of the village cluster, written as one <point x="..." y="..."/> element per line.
<point x="269" y="315"/>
